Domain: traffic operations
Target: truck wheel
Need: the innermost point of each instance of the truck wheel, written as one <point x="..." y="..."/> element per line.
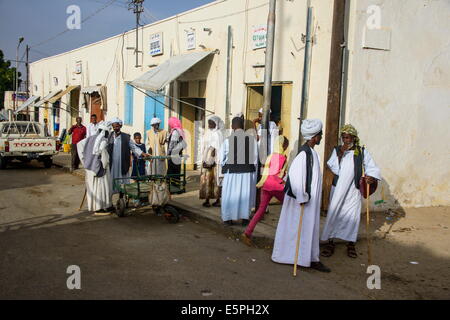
<point x="48" y="162"/>
<point x="3" y="163"/>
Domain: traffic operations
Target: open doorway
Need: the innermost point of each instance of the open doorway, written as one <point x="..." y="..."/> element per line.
<point x="280" y="105"/>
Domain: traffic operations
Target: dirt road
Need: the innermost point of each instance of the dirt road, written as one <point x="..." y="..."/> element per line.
<point x="143" y="257"/>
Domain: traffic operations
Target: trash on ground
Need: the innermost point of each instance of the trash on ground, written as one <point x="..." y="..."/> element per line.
<point x="230" y="259"/>
<point x="175" y="260"/>
<point x="253" y="260"/>
<point x="413" y="262"/>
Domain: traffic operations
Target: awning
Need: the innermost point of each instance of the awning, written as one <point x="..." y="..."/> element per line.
<point x="27" y="103"/>
<point x="46" y="98"/>
<point x="170" y="70"/>
<point x="90" y="89"/>
<point x="62" y="93"/>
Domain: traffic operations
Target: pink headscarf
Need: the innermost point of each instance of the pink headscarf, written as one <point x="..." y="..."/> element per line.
<point x="175" y="124"/>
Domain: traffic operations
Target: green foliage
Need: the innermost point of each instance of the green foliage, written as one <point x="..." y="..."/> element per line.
<point x="7" y="74"/>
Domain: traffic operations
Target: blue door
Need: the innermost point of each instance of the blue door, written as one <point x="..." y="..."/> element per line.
<point x="154" y="107"/>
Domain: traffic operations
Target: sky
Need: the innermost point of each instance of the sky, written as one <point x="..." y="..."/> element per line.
<point x="40" y="20"/>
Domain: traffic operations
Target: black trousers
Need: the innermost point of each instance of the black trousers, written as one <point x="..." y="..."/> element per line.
<point x="75" y="158"/>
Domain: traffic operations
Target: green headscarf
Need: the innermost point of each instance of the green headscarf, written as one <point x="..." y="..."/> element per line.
<point x="349" y="129"/>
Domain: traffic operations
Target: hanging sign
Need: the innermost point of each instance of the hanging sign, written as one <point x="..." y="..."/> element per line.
<point x="156" y="45"/>
<point x="259" y="36"/>
<point x="191" y="40"/>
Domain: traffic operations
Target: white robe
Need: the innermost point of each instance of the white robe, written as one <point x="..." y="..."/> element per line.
<point x="238" y="189"/>
<point x="344" y="211"/>
<point x="287" y="229"/>
<point x="98" y="189"/>
<point x="116" y="168"/>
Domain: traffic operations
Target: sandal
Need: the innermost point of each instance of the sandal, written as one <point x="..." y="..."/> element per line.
<point x="328" y="251"/>
<point x="206" y="204"/>
<point x="216" y="204"/>
<point x="351" y="251"/>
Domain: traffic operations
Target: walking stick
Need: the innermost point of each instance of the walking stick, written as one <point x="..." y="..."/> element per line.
<point x="298" y="239"/>
<point x="369" y="249"/>
<point x="84" y="197"/>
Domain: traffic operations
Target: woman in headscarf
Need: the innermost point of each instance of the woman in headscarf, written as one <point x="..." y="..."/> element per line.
<point x="211" y="173"/>
<point x="271" y="183"/>
<point x="176" y="144"/>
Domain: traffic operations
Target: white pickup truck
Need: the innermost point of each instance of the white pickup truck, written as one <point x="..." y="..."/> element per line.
<point x="25" y="141"/>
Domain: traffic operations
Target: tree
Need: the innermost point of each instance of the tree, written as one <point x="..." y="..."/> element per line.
<point x="7" y="76"/>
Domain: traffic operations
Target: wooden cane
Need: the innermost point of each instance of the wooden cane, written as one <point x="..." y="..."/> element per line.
<point x="369" y="249"/>
<point x="84" y="197"/>
<point x="298" y="239"/>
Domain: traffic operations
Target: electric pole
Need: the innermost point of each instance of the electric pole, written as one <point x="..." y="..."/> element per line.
<point x="268" y="77"/>
<point x="138" y="7"/>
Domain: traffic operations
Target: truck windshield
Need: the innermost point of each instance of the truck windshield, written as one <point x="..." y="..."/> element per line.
<point x="22" y="129"/>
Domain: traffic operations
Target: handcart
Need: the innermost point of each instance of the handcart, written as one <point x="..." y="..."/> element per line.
<point x="140" y="188"/>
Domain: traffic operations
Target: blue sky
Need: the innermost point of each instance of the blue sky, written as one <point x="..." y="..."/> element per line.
<point x="39" y="20"/>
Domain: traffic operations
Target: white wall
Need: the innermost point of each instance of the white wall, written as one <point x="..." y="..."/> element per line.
<point x="399" y="99"/>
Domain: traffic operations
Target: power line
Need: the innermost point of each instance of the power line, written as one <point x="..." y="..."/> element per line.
<point x="82" y="21"/>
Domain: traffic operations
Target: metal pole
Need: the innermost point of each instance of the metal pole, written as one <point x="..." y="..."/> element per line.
<point x="228" y="85"/>
<point x="268" y="75"/>
<point x="334" y="93"/>
<point x="306" y="73"/>
<point x="137" y="36"/>
<point x="27" y="66"/>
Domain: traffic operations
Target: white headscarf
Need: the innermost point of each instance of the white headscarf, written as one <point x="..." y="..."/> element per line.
<point x="310" y="128"/>
<point x="155" y="121"/>
<point x="116" y="120"/>
<point x="213" y="137"/>
<point x="261" y="110"/>
<point x="101" y="141"/>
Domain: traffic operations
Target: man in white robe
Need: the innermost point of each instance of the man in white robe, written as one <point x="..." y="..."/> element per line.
<point x="120" y="147"/>
<point x="94" y="156"/>
<point x="156" y="141"/>
<point x="239" y="162"/>
<point x="303" y="187"/>
<point x="344" y="211"/>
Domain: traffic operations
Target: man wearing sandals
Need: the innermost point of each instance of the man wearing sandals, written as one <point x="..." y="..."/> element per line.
<point x="303" y="188"/>
<point x="347" y="162"/>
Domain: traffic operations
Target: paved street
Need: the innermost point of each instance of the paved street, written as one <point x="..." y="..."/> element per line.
<point x="144" y="257"/>
<point x="138" y="257"/>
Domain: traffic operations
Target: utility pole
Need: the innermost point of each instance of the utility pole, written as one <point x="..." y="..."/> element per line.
<point x="138" y="8"/>
<point x="17" y="73"/>
<point x="27" y="67"/>
<point x="267" y="93"/>
<point x="334" y="93"/>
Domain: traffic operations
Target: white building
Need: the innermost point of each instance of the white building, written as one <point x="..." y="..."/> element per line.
<point x="396" y="79"/>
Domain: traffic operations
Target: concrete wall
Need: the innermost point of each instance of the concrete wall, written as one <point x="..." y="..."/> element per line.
<point x="399" y="98"/>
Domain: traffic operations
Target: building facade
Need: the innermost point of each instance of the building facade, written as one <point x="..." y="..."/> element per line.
<point x="393" y="84"/>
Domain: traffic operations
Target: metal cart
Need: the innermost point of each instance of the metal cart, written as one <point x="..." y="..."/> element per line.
<point x="140" y="188"/>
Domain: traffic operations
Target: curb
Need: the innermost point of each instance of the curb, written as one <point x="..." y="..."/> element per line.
<point x="234" y="232"/>
<point x="205" y="218"/>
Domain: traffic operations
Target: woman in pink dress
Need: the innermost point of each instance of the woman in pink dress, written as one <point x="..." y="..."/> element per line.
<point x="271" y="182"/>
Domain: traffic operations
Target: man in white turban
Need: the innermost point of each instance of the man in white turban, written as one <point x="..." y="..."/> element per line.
<point x="303" y="188"/>
<point x="94" y="156"/>
<point x="120" y="147"/>
<point x="156" y="146"/>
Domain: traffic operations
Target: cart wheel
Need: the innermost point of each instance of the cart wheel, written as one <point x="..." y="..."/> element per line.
<point x="171" y="214"/>
<point x="120" y="207"/>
